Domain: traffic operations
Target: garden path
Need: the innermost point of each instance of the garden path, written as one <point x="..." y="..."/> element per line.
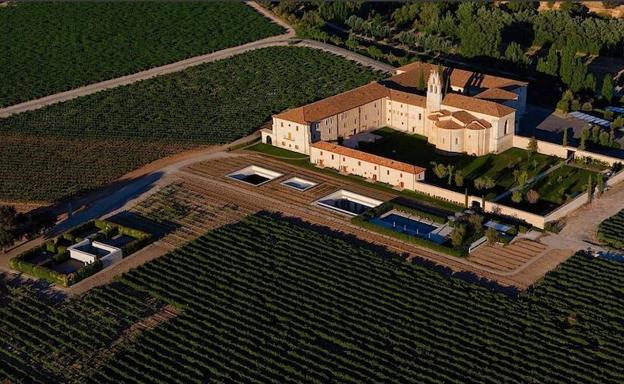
<point x="583" y="223"/>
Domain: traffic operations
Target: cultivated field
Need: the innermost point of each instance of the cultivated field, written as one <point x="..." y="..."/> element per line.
<point x="209" y="104"/>
<point x="46" y="168"/>
<point x="611" y="231"/>
<point x="273" y="300"/>
<point x="82" y="43"/>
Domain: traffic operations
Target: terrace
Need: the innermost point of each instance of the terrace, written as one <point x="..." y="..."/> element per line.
<point x="412" y="225"/>
<point x="348" y="203"/>
<point x="299" y="184"/>
<point x="254" y="175"/>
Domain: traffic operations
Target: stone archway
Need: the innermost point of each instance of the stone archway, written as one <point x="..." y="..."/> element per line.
<point x="268" y="140"/>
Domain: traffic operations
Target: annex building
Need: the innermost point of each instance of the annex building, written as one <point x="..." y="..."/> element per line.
<point x="457" y="110"/>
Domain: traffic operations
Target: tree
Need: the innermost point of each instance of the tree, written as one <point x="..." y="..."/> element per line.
<point x="550" y="65"/>
<point x="492" y="236"/>
<point x="532" y="145"/>
<point x="439" y="170"/>
<point x="604" y="139"/>
<point x="515" y="54"/>
<point x="607" y="87"/>
<point x="516" y="196"/>
<point x="595" y="134"/>
<point x="564" y="141"/>
<point x="590" y="83"/>
<point x="374" y="52"/>
<point x="449" y="170"/>
<point x="352" y="42"/>
<point x="590" y="189"/>
<point x="532" y="196"/>
<point x="459" y="178"/>
<point x="476" y="221"/>
<point x="584" y="137"/>
<point x="600" y="185"/>
<point x="458" y="234"/>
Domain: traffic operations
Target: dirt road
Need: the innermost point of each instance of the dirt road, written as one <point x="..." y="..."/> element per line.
<point x="279" y="40"/>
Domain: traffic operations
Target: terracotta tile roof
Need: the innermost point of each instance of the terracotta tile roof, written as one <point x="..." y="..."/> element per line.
<point x="448" y="124"/>
<point x="408" y="98"/>
<point x="334" y="105"/>
<point x="459" y="77"/>
<point x="497" y="94"/>
<point x="368" y="157"/>
<point x="472" y="104"/>
<point x="467" y="118"/>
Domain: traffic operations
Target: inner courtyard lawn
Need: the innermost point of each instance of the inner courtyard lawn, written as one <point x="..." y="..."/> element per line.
<point x="554" y="189"/>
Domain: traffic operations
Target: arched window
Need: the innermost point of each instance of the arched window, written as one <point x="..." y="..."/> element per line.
<point x="506" y="126"/>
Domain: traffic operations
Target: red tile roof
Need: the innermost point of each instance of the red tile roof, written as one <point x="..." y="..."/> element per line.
<point x="497" y="94"/>
<point x="472" y="104"/>
<point x="458" y="77"/>
<point x="370" y="158"/>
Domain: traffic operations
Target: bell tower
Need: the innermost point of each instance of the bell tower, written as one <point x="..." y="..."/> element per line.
<point x="434" y="91"/>
<point x="434" y="100"/>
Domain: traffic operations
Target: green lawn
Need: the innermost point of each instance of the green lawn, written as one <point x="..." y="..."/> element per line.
<point x="564" y="183"/>
<point x="415" y="149"/>
<point x="277" y="152"/>
<point x="208" y="104"/>
<point x="49" y="47"/>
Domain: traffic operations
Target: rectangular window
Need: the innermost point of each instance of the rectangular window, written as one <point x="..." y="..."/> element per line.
<point x="282" y="124"/>
<point x="359" y="163"/>
<point x="332" y="157"/>
<point x="420" y="116"/>
<point x="388" y="172"/>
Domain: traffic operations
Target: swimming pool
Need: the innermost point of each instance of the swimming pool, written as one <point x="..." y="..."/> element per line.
<point x="410" y="226"/>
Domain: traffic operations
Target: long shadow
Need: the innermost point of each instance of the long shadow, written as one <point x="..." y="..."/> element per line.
<point x="388" y="255"/>
<point x="41" y="288"/>
<point x="158" y="229"/>
<point x="111" y="198"/>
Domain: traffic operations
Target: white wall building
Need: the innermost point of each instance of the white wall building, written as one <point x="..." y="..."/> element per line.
<point x="461" y="111"/>
<point x="89" y="252"/>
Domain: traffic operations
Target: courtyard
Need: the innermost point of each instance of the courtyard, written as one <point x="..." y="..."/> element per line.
<point x="491" y="176"/>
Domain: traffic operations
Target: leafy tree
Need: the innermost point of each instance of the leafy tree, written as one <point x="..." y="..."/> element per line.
<point x="458" y="234"/>
<point x="587" y="106"/>
<point x="532" y="145"/>
<point x="600" y="185"/>
<point x="604" y="139"/>
<point x="607" y="88"/>
<point x="590" y="189"/>
<point x="590" y="83"/>
<point x="459" y="178"/>
<point x="595" y="133"/>
<point x="476" y="221"/>
<point x="352" y="42"/>
<point x="532" y="196"/>
<point x="515" y="54"/>
<point x="374" y="52"/>
<point x="516" y="196"/>
<point x="492" y="236"/>
<point x="584" y="137"/>
<point x="439" y="170"/>
<point x="549" y="65"/>
<point x="449" y="170"/>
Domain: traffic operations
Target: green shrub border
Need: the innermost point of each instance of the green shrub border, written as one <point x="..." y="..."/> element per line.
<point x="363" y="221"/>
<point x="106" y="228"/>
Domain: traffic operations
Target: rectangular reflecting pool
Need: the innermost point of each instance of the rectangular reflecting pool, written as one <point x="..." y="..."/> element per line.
<point x="347" y="202"/>
<point x="409" y="225"/>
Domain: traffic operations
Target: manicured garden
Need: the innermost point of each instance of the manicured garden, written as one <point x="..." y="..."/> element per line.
<point x="86" y="142"/>
<point x="51" y="261"/>
<point x="49" y="47"/>
<point x="489" y="175"/>
<point x="268" y="299"/>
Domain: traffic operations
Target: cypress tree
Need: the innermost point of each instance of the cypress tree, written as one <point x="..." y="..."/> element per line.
<point x="607" y="87"/>
<point x="565" y="137"/>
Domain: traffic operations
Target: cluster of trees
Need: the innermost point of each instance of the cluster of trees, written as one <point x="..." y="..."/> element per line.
<point x="596" y="136"/>
<point x="14" y="225"/>
<point x="466" y="227"/>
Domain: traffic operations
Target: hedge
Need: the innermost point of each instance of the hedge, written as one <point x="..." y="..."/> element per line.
<point x="408" y="238"/>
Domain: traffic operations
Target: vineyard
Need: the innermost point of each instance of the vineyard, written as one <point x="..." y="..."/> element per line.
<point x="45" y="342"/>
<point x="269" y="300"/>
<point x="209" y="104"/>
<point x="611" y="231"/>
<point x="81" y="43"/>
<point x="45" y="169"/>
<point x="266" y="300"/>
<point x="95" y="139"/>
